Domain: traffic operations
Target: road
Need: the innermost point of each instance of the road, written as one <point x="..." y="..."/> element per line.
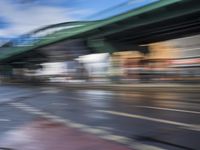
<point x="160" y="120"/>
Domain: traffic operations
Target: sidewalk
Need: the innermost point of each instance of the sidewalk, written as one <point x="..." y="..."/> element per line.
<point x="46" y="135"/>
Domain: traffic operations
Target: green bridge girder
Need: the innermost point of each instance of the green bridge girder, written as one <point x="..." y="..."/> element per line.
<point x="96" y="32"/>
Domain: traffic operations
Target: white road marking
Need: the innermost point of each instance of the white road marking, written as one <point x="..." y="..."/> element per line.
<point x="170" y="109"/>
<point x="11" y="93"/>
<point x="50" y="90"/>
<point x="4" y="120"/>
<point x="5" y="100"/>
<point x="75" y="98"/>
<point x="88" y="129"/>
<point x="184" y="125"/>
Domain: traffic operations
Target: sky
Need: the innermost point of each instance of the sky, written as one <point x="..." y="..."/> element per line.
<point x="21" y="16"/>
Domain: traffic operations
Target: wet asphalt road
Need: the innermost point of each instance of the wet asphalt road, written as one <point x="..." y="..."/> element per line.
<point x="165" y="120"/>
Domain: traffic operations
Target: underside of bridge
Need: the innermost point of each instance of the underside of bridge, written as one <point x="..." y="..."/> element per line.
<point x="61" y="51"/>
<point x="174" y="20"/>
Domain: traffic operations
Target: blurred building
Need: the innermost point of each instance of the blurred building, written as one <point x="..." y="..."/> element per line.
<point x="180" y="56"/>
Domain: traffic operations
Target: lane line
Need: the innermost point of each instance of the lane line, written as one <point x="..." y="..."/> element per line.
<point x="103" y="134"/>
<point x="184" y="125"/>
<point x="177" y="110"/>
<point x="4" y="120"/>
<point x="169" y="109"/>
<point x="8" y="93"/>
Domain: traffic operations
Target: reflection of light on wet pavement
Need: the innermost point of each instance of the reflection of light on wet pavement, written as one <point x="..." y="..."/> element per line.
<point x="103" y="103"/>
<point x="62" y="134"/>
<point x="4" y="120"/>
<point x="59" y="104"/>
<point x="16" y="136"/>
<point x="177" y="104"/>
<point x="169" y="109"/>
<point x="95" y="92"/>
<point x="95" y="98"/>
<point x="159" y="115"/>
<point x="49" y="90"/>
<point x="194" y="127"/>
<point x="96" y="115"/>
<point x="46" y="135"/>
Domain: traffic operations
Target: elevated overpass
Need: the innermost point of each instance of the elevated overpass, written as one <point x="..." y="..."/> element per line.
<point x="162" y="20"/>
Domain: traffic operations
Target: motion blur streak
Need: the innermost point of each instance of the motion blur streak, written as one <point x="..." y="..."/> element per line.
<point x="99" y="75"/>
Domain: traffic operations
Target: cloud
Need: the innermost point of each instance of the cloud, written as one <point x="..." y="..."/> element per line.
<point x="24" y="18"/>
